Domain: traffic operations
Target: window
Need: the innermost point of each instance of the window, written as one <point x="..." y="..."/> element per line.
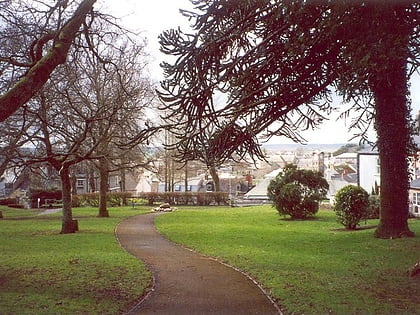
<point x="80" y="183"/>
<point x="416" y="198"/>
<point x="210" y="186"/>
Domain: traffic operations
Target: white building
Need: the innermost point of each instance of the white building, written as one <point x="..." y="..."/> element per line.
<point x="369" y="170"/>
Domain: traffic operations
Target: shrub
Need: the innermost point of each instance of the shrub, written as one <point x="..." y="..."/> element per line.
<point x="373" y="208"/>
<point x="137" y="201"/>
<point x="297" y="192"/>
<point x="7" y="201"/>
<point x="185" y="198"/>
<point x="118" y="198"/>
<point x="13" y="205"/>
<point x="90" y="199"/>
<point x="351" y="205"/>
<point x="43" y="195"/>
<point x="76" y="201"/>
<point x="151" y="197"/>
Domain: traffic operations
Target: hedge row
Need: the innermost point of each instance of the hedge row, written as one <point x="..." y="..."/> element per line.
<point x="92" y="199"/>
<point x="43" y="195"/>
<point x="151" y="198"/>
<point x="7" y="201"/>
<point x="185" y="198"/>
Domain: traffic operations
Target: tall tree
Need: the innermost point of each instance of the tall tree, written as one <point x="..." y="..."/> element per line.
<point x="124" y="96"/>
<point x="79" y="113"/>
<point x="277" y="63"/>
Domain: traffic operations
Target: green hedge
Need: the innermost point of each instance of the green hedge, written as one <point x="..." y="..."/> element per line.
<point x="186" y="198"/>
<point x="114" y="199"/>
<point x="151" y="198"/>
<point x="34" y="194"/>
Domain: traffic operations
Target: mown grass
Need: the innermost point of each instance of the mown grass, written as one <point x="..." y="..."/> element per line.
<point x="43" y="272"/>
<point x="310" y="267"/>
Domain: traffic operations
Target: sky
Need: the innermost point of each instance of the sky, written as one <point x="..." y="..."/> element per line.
<point x="153" y="17"/>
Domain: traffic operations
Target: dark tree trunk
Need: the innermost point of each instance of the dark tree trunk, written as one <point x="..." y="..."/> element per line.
<point x="73" y="182"/>
<point x="103" y="189"/>
<point x="392" y="111"/>
<point x="92" y="186"/>
<point x="122" y="181"/>
<point x="215" y="177"/>
<point x="186" y="176"/>
<point x="68" y="224"/>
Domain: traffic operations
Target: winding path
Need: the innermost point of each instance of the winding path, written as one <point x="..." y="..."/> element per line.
<point x="186" y="282"/>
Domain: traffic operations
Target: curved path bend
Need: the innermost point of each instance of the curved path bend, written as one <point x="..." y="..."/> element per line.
<point x="186" y="282"/>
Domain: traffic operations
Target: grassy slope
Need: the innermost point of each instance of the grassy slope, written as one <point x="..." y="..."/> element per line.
<point x="42" y="272"/>
<point x="308" y="266"/>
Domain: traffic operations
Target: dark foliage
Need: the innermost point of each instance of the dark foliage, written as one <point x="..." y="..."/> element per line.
<point x="43" y="195"/>
<point x="351" y="206"/>
<point x="297" y="192"/>
<point x="7" y="201"/>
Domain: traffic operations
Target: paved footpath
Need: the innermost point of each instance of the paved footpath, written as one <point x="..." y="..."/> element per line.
<point x="186" y="282"/>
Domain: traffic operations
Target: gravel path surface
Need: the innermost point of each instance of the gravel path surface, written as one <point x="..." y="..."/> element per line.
<point x="186" y="282"/>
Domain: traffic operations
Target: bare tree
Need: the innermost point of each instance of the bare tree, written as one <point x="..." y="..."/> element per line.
<point x="80" y="113"/>
<point x="36" y="38"/>
<point x="124" y="96"/>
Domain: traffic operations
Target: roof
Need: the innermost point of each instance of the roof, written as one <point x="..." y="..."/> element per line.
<point x="347" y="155"/>
<point x="273" y="174"/>
<point x="415" y="183"/>
<point x="260" y="190"/>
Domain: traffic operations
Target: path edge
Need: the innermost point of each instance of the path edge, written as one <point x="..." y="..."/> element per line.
<point x="259" y="285"/>
<point x="149" y="290"/>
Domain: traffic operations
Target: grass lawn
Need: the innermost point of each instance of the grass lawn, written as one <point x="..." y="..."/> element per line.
<point x="43" y="272"/>
<point x="310" y="267"/>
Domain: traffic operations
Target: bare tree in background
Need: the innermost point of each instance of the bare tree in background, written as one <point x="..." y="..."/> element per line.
<point x="83" y="111"/>
<point x="125" y="96"/>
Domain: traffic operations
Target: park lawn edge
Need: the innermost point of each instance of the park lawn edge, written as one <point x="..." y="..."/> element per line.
<point x="85" y="272"/>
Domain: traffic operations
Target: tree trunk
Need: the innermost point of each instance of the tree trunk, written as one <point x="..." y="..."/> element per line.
<point x="37" y="75"/>
<point x="73" y="180"/>
<point x="392" y="111"/>
<point x="91" y="184"/>
<point x="68" y="224"/>
<point x="103" y="189"/>
<point x="186" y="176"/>
<point x="122" y="181"/>
<point x="215" y="177"/>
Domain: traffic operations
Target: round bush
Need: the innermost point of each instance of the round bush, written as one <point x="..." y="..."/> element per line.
<point x="297" y="192"/>
<point x="351" y="206"/>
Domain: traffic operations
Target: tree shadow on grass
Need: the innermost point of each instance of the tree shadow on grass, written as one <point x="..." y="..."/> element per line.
<point x="289" y="219"/>
<point x="359" y="228"/>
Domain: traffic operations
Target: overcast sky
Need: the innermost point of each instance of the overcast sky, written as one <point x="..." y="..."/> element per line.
<point x="152" y="17"/>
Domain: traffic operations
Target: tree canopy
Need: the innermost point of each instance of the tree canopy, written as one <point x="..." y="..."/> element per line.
<point x="277" y="63"/>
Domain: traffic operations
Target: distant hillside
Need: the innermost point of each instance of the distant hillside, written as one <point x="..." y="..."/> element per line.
<point x="306" y="147"/>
